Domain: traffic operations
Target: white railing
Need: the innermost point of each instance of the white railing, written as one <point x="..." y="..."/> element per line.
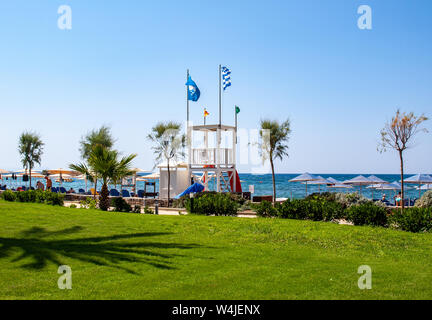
<point x="209" y="156"/>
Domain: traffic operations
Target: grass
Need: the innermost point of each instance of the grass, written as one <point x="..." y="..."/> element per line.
<point x="130" y="256"/>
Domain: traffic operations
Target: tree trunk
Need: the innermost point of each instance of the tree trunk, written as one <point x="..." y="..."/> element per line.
<point x="169" y="182"/>
<point x="95" y="187"/>
<point x="274" y="182"/>
<point x="402" y="179"/>
<point x="30" y="175"/>
<point x="104" y="202"/>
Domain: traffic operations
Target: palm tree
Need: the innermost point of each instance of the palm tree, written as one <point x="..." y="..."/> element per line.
<point x="85" y="170"/>
<point x="30" y="146"/>
<point x="274" y="143"/>
<point x="105" y="165"/>
<point x="101" y="136"/>
<point x="169" y="144"/>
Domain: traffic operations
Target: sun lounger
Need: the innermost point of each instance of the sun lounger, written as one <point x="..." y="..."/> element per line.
<point x="125" y="194"/>
<point x="114" y="193"/>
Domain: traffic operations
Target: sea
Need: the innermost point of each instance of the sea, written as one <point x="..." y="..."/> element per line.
<point x="262" y="185"/>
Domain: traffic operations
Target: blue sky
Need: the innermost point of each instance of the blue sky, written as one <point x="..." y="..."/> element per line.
<point x="124" y="64"/>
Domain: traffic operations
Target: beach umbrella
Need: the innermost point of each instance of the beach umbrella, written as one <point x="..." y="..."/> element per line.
<point x="419" y="179"/>
<point x="334" y="181"/>
<point x="376" y="180"/>
<point x="152" y="176"/>
<point x="305" y="177"/>
<point x="2" y="172"/>
<point x="425" y="187"/>
<point x="320" y="182"/>
<point x="62" y="171"/>
<point x="359" y="181"/>
<point x="340" y="186"/>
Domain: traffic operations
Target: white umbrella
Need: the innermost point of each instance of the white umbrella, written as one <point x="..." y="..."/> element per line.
<point x="419" y="179"/>
<point x="305" y="177"/>
<point x="425" y="187"/>
<point x="359" y="181"/>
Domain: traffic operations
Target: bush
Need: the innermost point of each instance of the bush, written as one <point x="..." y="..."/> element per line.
<point x="120" y="205"/>
<point x="326" y="196"/>
<point x="9" y="195"/>
<point x="425" y="201"/>
<point x="54" y="199"/>
<point x="348" y="200"/>
<point x="265" y="209"/>
<point x="413" y="219"/>
<point x="34" y="196"/>
<point x="367" y="214"/>
<point x="88" y="203"/>
<point x="212" y="203"/>
<point x="147" y="210"/>
<point x="73" y="206"/>
<point x="316" y="210"/>
<point x="136" y="209"/>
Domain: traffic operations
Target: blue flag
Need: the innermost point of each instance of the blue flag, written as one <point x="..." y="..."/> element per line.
<point x="193" y="91"/>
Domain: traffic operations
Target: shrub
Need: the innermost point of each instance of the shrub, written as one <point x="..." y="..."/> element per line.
<point x="265" y="209"/>
<point x="136" y="209"/>
<point x="73" y="206"/>
<point x="367" y="214"/>
<point x="88" y="203"/>
<point x="35" y="196"/>
<point x="425" y="201"/>
<point x="316" y="210"/>
<point x="9" y="195"/>
<point x="147" y="210"/>
<point x="212" y="203"/>
<point x="412" y="219"/>
<point x="120" y="205"/>
<point x="326" y="196"/>
<point x="351" y="199"/>
<point x="54" y="199"/>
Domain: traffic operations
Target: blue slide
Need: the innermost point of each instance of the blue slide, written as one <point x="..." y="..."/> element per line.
<point x="196" y="187"/>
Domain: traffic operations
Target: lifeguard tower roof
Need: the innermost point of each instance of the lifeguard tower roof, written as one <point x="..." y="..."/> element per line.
<point x="213" y="127"/>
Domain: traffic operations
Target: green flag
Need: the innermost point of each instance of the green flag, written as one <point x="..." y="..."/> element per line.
<point x="237" y="109"/>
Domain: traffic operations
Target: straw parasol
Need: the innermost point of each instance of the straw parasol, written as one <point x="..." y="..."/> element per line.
<point x="305" y="177"/>
<point x="359" y="181"/>
<point x="61" y="171"/>
<point x="320" y="182"/>
<point x="152" y="176"/>
<point x="377" y="183"/>
<point x="334" y="181"/>
<point x="419" y="179"/>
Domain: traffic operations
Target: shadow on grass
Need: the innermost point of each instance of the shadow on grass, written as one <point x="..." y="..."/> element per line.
<point x="111" y="251"/>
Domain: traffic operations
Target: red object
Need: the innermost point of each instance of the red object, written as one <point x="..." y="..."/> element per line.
<point x="238" y="183"/>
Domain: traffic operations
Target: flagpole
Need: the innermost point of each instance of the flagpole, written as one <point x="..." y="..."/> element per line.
<point x="235" y="111"/>
<point x="220" y="96"/>
<point x="187" y="99"/>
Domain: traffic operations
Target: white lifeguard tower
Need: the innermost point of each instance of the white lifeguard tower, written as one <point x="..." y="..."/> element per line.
<point x="215" y="166"/>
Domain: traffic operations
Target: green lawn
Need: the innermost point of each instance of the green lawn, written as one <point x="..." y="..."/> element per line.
<point x="130" y="256"/>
